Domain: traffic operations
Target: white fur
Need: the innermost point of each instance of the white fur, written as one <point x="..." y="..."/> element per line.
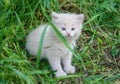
<point x="53" y="49"/>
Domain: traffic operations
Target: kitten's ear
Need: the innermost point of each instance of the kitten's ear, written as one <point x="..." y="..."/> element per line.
<point x="81" y="17"/>
<point x="55" y="15"/>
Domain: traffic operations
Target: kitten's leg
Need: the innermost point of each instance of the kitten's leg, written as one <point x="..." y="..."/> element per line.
<point x="55" y="62"/>
<point x="66" y="61"/>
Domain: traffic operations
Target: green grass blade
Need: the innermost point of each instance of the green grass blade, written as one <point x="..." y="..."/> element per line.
<point x="40" y="47"/>
<point x="20" y="23"/>
<point x="38" y="72"/>
<point x="13" y="61"/>
<point x="93" y="18"/>
<point x="21" y="75"/>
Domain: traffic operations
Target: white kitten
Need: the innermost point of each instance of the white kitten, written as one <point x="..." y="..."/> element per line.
<point x="70" y="26"/>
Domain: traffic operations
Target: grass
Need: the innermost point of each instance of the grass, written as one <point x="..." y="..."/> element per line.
<point x="97" y="55"/>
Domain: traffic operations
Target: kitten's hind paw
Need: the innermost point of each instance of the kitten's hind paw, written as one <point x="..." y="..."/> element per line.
<point x="70" y="69"/>
<point x="60" y="74"/>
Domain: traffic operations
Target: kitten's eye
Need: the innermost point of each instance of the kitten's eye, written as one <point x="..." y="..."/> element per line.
<point x="72" y="29"/>
<point x="63" y="28"/>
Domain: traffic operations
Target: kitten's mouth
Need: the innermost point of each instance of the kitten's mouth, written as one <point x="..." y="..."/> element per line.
<point x="69" y="36"/>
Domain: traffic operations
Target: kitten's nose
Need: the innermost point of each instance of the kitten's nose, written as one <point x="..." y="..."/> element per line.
<point x="68" y="33"/>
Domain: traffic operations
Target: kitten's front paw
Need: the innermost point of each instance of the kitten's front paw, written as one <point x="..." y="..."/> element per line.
<point x="59" y="74"/>
<point x="70" y="69"/>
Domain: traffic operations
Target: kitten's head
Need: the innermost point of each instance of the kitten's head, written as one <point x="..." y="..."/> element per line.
<point x="70" y="25"/>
